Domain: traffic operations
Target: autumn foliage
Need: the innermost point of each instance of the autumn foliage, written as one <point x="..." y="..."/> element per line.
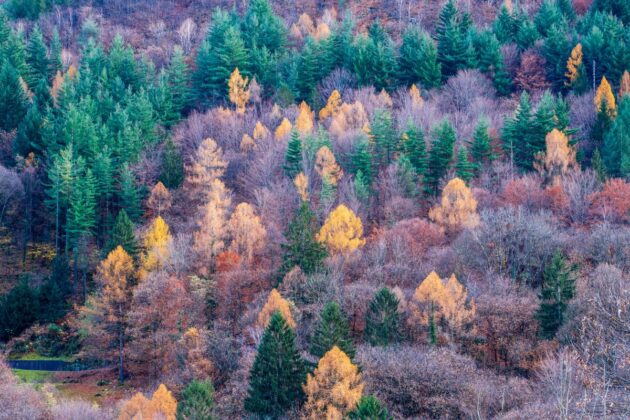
<point x="275" y="302"/>
<point x="161" y="405"/>
<point x="457" y="208"/>
<point x="342" y="231"/>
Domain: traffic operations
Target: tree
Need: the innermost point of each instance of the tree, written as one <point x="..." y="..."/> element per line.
<point x="161" y="405"/>
<point x="334" y="388"/>
<point x="516" y="130"/>
<point x="369" y="408"/>
<point x="304" y="120"/>
<point x="331" y="330"/>
<point x="481" y="147"/>
<point x="418" y="60"/>
<point x="383" y="136"/>
<point x="207" y="165"/>
<point x="197" y="402"/>
<point x="172" y="173"/>
<point x="327" y="167"/>
<point x="262" y="28"/>
<point x="247" y="232"/>
<point x="238" y="90"/>
<point x="36" y="59"/>
<point x="160" y="199"/>
<point x="414" y="148"/>
<point x="301" y="247"/>
<point x="382" y="321"/>
<point x="557" y="290"/>
<point x="178" y="78"/>
<point x="616" y="147"/>
<point x="81" y="216"/>
<point x="157" y="242"/>
<point x="604" y="99"/>
<point x="624" y="85"/>
<point x="277" y="373"/>
<point x="440" y="155"/>
<point x="558" y="158"/>
<point x="122" y="234"/>
<point x="284" y="129"/>
<point x="342" y="231"/>
<point x="332" y="106"/>
<point x="453" y="44"/>
<point x="129" y="194"/>
<point x="108" y="310"/>
<point x="293" y="156"/>
<point x="457" y="208"/>
<point x="275" y="303"/>
<point x="18" y="310"/>
<point x="13" y="99"/>
<point x="209" y="240"/>
<point x="463" y="166"/>
<point x="576" y="73"/>
<point x="375" y="58"/>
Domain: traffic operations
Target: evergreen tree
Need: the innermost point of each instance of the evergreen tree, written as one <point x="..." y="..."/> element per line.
<point x="548" y="15"/>
<point x="453" y="43"/>
<point x="172" y="174"/>
<point x="382" y="321"/>
<point x="293" y="156"/>
<point x="13" y="100"/>
<point x="129" y="194"/>
<point x="557" y="290"/>
<point x="616" y="148"/>
<point x="369" y="408"/>
<point x="556" y="49"/>
<point x="278" y="372"/>
<point x="516" y="130"/>
<point x="463" y="166"/>
<point x="490" y="61"/>
<point x="311" y="69"/>
<point x="56" y="63"/>
<point x="18" y="310"/>
<point x="178" y="77"/>
<point x="36" y="59"/>
<point x="262" y="28"/>
<point x="122" y="235"/>
<point x="82" y="208"/>
<point x="196" y="402"/>
<point x="375" y="58"/>
<point x="414" y="148"/>
<point x="505" y="26"/>
<point x="481" y="147"/>
<point x="417" y="61"/>
<point x="362" y="161"/>
<point x="301" y="248"/>
<point x="331" y="330"/>
<point x="28" y="135"/>
<point x="383" y="137"/>
<point x="440" y="155"/>
<point x="341" y="49"/>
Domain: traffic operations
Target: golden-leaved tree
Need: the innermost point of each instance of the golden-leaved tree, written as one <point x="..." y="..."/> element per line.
<point x="558" y="157"/>
<point x="162" y="405"/>
<point x="334" y="388"/>
<point x="247" y="143"/>
<point x="283" y="130"/>
<point x="342" y="231"/>
<point x="260" y="131"/>
<point x="207" y="165"/>
<point x="275" y="302"/>
<point x="238" y="90"/>
<point x="301" y="186"/>
<point x="327" y="167"/>
<point x="457" y="208"/>
<point x="605" y="97"/>
<point x="332" y="106"/>
<point x="304" y="121"/>
<point x="160" y="199"/>
<point x="247" y="231"/>
<point x="157" y="242"/>
<point x="573" y="65"/>
<point x="416" y="98"/>
<point x="350" y="117"/>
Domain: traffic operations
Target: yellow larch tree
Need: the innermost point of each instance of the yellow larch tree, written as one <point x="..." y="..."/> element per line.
<point x="260" y="131"/>
<point x="573" y="64"/>
<point x="327" y="167"/>
<point x="283" y="130"/>
<point x="160" y="199"/>
<point x="332" y="106"/>
<point x="247" y="231"/>
<point x="416" y="98"/>
<point x="322" y="31"/>
<point x="334" y="388"/>
<point x="304" y="120"/>
<point x="301" y="185"/>
<point x="604" y="95"/>
<point x="624" y="85"/>
<point x="238" y="90"/>
<point x="342" y="231"/>
<point x="207" y="165"/>
<point x="558" y="157"/>
<point x="305" y="24"/>
<point x="137" y="407"/>
<point x="385" y="99"/>
<point x="247" y="143"/>
<point x="275" y="302"/>
<point x="209" y="239"/>
<point x="457" y="208"/>
<point x="350" y="117"/>
<point x="162" y="405"/>
<point x="157" y="241"/>
<point x="462" y="311"/>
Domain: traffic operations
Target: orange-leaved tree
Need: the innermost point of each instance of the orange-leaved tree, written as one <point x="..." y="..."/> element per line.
<point x="304" y="120"/>
<point x="160" y="199"/>
<point x="558" y="158"/>
<point x="332" y="106"/>
<point x="283" y="130"/>
<point x="275" y="302"/>
<point x="207" y="165"/>
<point x="327" y="167"/>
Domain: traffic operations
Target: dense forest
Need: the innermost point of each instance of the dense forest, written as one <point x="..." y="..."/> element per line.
<point x="351" y="209"/>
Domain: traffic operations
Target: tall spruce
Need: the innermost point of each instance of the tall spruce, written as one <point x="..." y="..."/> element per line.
<point x="440" y="155"/>
<point x="557" y="290"/>
<point x="301" y="248"/>
<point x="464" y="168"/>
<point x="122" y="235"/>
<point x="414" y="148"/>
<point x="382" y="321"/>
<point x="293" y="156"/>
<point x="331" y="330"/>
<point x="417" y="61"/>
<point x="13" y="100"/>
<point x="481" y="146"/>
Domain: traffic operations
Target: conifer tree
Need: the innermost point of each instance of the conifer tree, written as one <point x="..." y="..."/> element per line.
<point x="576" y="72"/>
<point x="122" y="235"/>
<point x="463" y="166"/>
<point x="505" y="26"/>
<point x="453" y="43"/>
<point x="490" y="61"/>
<point x="440" y="155"/>
<point x="129" y="194"/>
<point x="82" y="207"/>
<point x="13" y="100"/>
<point x="178" y="76"/>
<point x="56" y="64"/>
<point x="382" y="321"/>
<point x="383" y="137"/>
<point x="375" y="58"/>
<point x="414" y="148"/>
<point x="616" y="147"/>
<point x="293" y="156"/>
<point x="331" y="330"/>
<point x="301" y="248"/>
<point x="417" y="61"/>
<point x="480" y="147"/>
<point x="557" y="290"/>
<point x="362" y="160"/>
<point x="36" y="59"/>
<point x="369" y="408"/>
<point x="516" y="130"/>
<point x="238" y="90"/>
<point x="278" y="372"/>
<point x="196" y="402"/>
<point x="172" y="174"/>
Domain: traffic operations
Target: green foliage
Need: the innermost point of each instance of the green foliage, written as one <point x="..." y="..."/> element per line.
<point x="440" y="155"/>
<point x="122" y="235"/>
<point x="556" y="48"/>
<point x="82" y="207"/>
<point x="414" y="148"/>
<point x="382" y="321"/>
<point x="172" y="174"/>
<point x="293" y="156"/>
<point x="18" y="310"/>
<point x="375" y="58"/>
<point x="505" y="26"/>
<point x="278" y="372"/>
<point x="301" y="249"/>
<point x="454" y="47"/>
<point x="481" y="147"/>
<point x="463" y="166"/>
<point x="369" y="408"/>
<point x="362" y="160"/>
<point x="490" y="61"/>
<point x="129" y="194"/>
<point x="28" y="9"/>
<point x="384" y="137"/>
<point x="13" y="100"/>
<point x="557" y="290"/>
<point x="548" y="14"/>
<point x="178" y="78"/>
<point x="331" y="330"/>
<point x="417" y="61"/>
<point x="616" y="148"/>
<point x="196" y="402"/>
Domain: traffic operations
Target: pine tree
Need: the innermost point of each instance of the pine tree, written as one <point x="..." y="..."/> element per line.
<point x="557" y="290"/>
<point x="13" y="100"/>
<point x="82" y="207"/>
<point x="463" y="166"/>
<point x="129" y="194"/>
<point x="56" y="64"/>
<point x="382" y="321"/>
<point x="28" y="137"/>
<point x="417" y="61"/>
<point x="122" y="235"/>
<point x="383" y="137"/>
<point x="369" y="408"/>
<point x="331" y="330"/>
<point x="440" y="155"/>
<point x="414" y="148"/>
<point x="490" y="61"/>
<point x="481" y="147"/>
<point x="278" y="372"/>
<point x="616" y="147"/>
<point x="555" y="50"/>
<point x="375" y="58"/>
<point x="362" y="160"/>
<point x="36" y="59"/>
<point x="196" y="402"/>
<point x="505" y="25"/>
<point x="172" y="174"/>
<point x="516" y="131"/>
<point x="262" y="28"/>
<point x="293" y="156"/>
<point x="576" y="72"/>
<point x="301" y="248"/>
<point x="453" y="44"/>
